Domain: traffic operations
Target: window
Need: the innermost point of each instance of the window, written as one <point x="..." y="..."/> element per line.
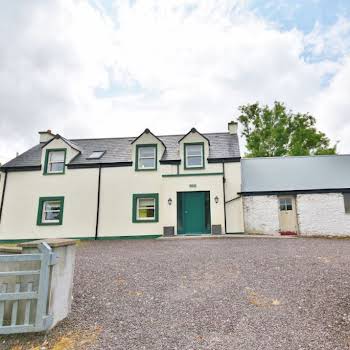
<point x="347" y="202"/>
<point x="145" y="207"/>
<point x="146" y="157"/>
<point x="194" y="154"/>
<point x="286" y="204"/>
<point x="96" y="155"/>
<point x="50" y="211"/>
<point x="55" y="161"/>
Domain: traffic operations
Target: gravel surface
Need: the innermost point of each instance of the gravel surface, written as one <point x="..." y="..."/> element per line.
<point x="245" y="294"/>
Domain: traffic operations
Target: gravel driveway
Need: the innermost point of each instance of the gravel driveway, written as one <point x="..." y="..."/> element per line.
<point x="244" y="294"/>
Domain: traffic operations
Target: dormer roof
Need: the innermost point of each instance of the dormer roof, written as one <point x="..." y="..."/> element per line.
<point x="148" y="131"/>
<point x="194" y="131"/>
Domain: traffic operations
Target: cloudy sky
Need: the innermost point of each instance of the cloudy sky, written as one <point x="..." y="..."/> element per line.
<point x="112" y="68"/>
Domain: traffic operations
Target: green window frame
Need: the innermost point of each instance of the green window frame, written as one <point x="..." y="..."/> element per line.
<point x="46" y="165"/>
<point x="186" y="145"/>
<point x="135" y="207"/>
<point x="137" y="156"/>
<point x="42" y="201"/>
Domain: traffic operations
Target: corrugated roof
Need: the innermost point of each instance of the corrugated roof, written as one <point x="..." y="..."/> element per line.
<point x="295" y="173"/>
<point x="118" y="150"/>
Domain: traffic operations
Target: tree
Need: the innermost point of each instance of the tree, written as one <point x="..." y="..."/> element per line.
<point x="271" y="132"/>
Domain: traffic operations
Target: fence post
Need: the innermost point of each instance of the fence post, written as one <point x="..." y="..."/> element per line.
<point x="43" y="290"/>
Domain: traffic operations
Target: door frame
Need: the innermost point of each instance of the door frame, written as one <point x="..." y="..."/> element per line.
<point x="294" y="209"/>
<point x="180" y="213"/>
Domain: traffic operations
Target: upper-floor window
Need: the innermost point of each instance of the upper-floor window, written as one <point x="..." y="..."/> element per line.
<point x="146" y="157"/>
<point x="194" y="155"/>
<point x="55" y="161"/>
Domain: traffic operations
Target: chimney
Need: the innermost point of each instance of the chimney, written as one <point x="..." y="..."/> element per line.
<point x="232" y="127"/>
<point x="46" y="136"/>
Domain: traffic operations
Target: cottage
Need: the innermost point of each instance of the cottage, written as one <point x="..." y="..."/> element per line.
<point x="120" y="187"/>
<point x="302" y="195"/>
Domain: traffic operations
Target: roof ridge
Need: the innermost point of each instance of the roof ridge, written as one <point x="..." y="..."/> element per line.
<point x="133" y="137"/>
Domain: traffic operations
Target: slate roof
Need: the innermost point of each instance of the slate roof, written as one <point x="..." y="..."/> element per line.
<point x="118" y="150"/>
<point x="295" y="173"/>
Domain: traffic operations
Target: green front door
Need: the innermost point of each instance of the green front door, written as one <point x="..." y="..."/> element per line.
<point x="193" y="212"/>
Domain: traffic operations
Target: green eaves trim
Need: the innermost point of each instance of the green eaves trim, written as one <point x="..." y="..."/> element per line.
<point x="135" y="198"/>
<point x="194" y="174"/>
<point x="137" y="156"/>
<point x="185" y="156"/>
<point x="42" y="200"/>
<point x="47" y="160"/>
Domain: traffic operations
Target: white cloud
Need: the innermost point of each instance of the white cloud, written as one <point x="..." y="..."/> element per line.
<point x="176" y="64"/>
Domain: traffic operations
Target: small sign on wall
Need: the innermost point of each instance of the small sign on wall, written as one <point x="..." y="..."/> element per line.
<point x="193" y="185"/>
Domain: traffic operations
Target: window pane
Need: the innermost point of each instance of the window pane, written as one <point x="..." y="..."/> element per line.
<point x="146" y="213"/>
<point x="51" y="211"/>
<point x="347" y="202"/>
<point x="193" y="161"/>
<point x="49" y="206"/>
<point x="194" y="150"/>
<point x="56" y="167"/>
<point x="52" y="216"/>
<point x="56" y="156"/>
<point x="146" y="202"/>
<point x="148" y="152"/>
<point x="146" y="208"/>
<point x="147" y="163"/>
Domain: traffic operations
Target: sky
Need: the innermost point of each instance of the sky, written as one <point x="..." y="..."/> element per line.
<point x="109" y="68"/>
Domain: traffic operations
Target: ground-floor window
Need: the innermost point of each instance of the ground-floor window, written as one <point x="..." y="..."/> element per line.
<point x="50" y="211"/>
<point x="145" y="207"/>
<point x="347" y="202"/>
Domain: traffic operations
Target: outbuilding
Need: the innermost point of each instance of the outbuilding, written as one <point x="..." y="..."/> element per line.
<point x="297" y="195"/>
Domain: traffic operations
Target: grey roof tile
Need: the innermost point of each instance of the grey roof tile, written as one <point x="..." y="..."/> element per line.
<point x="118" y="150"/>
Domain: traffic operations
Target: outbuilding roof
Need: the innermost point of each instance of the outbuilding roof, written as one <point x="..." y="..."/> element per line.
<point x="223" y="146"/>
<point x="284" y="174"/>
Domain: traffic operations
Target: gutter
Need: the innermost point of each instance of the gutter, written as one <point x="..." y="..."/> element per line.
<point x="3" y="195"/>
<point x="98" y="202"/>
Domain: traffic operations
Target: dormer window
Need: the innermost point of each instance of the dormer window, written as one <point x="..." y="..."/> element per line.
<point x="194" y="155"/>
<point x="55" y="161"/>
<point x="96" y="155"/>
<point x="146" y="157"/>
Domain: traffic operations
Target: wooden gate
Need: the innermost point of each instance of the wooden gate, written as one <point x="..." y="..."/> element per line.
<point x="24" y="291"/>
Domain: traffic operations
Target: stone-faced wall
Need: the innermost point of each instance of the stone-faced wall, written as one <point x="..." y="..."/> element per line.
<point x="317" y="214"/>
<point x="261" y="214"/>
<point x="322" y="214"/>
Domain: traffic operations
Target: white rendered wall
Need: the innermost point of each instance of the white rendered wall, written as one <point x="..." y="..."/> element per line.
<point x="322" y="214"/>
<point x="261" y="214"/>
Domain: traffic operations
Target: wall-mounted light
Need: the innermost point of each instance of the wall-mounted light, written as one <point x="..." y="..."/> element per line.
<point x="170" y="201"/>
<point x="216" y="199"/>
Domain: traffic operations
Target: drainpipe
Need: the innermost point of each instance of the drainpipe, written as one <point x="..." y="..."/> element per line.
<point x="98" y="201"/>
<point x="224" y="191"/>
<point x="3" y="195"/>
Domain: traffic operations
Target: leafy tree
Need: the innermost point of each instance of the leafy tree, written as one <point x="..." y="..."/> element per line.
<point x="275" y="131"/>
